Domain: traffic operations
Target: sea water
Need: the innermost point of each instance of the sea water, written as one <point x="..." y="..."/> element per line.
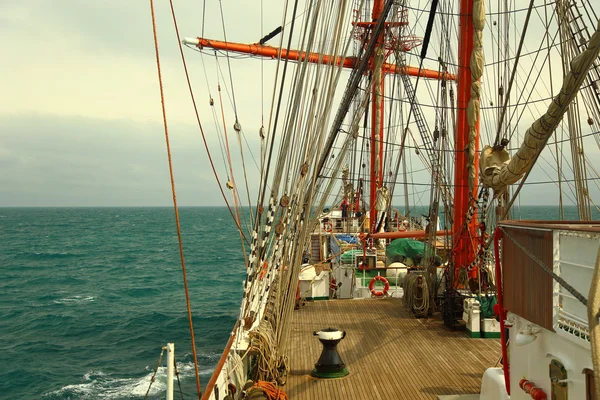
<point x="88" y="297"/>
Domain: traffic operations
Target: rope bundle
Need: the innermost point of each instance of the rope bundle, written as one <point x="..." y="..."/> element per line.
<point x="263" y="390"/>
<point x="416" y="298"/>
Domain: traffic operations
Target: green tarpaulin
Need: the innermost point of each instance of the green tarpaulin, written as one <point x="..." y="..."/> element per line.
<point x="348" y="256"/>
<point x="404" y="248"/>
<point x="486" y="305"/>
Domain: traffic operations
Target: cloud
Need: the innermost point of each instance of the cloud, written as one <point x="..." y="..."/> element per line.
<point x="80" y="116"/>
<point x="76" y="161"/>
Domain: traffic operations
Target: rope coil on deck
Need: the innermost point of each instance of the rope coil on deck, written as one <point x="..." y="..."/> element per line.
<point x="416" y="293"/>
<point x="266" y="390"/>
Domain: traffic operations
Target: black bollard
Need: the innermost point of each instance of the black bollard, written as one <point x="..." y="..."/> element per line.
<point x="330" y="364"/>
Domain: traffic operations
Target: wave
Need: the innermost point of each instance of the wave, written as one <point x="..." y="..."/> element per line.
<point x="142" y="292"/>
<point x="50" y="254"/>
<point x="75" y="300"/>
<point x="100" y="385"/>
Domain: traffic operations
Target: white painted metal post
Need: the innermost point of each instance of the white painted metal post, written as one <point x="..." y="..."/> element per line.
<point x="170" y="369"/>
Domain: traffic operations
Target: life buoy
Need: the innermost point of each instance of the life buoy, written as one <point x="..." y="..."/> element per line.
<point x="378" y="293"/>
<point x="327" y="226"/>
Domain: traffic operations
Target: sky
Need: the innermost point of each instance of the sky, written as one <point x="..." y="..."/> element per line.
<point x="80" y="116"/>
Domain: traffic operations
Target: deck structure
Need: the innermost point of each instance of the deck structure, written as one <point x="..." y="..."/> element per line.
<point x="389" y="353"/>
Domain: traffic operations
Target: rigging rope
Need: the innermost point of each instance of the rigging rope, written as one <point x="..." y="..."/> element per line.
<point x="177" y="375"/>
<point x="164" y="115"/>
<point x="514" y="71"/>
<point x="153" y="377"/>
<point x="228" y="62"/>
<point x="193" y="99"/>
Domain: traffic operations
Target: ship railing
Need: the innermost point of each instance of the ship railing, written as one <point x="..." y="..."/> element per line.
<point x="227" y="366"/>
<point x="395" y="289"/>
<point x="575" y="258"/>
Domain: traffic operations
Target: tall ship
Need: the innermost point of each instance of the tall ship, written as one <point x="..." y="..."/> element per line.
<point x="376" y="185"/>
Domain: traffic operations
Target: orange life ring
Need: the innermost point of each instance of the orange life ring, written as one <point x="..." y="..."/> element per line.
<point x="378" y="293"/>
<point x="327" y="226"/>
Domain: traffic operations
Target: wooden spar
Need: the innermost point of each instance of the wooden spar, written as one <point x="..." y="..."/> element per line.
<point x="405" y="234"/>
<point x="465" y="240"/>
<point x="377" y="118"/>
<point x="293" y="55"/>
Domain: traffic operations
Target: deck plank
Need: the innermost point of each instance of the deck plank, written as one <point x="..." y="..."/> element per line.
<point x="389" y="353"/>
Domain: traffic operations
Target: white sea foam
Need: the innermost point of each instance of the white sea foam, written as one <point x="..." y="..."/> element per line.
<point x="74" y="300"/>
<point x="92" y="374"/>
<point x="99" y="385"/>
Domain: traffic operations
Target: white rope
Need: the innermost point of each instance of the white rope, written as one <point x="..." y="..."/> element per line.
<point x="416" y="298"/>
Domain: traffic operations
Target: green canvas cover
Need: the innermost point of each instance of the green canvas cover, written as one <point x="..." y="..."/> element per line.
<point x="348" y="256"/>
<point x="404" y="248"/>
<point x="486" y="305"/>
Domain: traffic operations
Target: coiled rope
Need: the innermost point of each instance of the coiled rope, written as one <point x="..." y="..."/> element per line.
<point x="264" y="390"/>
<point x="416" y="298"/>
<point x="271" y="391"/>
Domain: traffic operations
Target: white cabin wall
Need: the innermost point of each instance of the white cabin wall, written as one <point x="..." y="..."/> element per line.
<point x="532" y="361"/>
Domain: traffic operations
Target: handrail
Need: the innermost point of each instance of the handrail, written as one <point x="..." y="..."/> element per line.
<point x="213" y="379"/>
<point x="405" y="234"/>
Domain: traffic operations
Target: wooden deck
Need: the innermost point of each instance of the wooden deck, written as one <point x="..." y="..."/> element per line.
<point x="389" y="353"/>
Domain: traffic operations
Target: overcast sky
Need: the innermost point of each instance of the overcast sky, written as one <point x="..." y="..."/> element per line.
<point x="80" y="119"/>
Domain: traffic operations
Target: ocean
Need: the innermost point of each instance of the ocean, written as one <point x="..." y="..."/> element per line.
<point x="88" y="297"/>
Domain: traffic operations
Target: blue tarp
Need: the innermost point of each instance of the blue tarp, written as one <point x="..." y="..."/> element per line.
<point x="347" y="238"/>
<point x="334" y="247"/>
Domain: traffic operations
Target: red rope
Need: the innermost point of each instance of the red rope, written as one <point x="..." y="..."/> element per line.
<point x="164" y="114"/>
<point x="271" y="391"/>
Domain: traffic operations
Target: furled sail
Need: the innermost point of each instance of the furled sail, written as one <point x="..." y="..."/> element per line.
<point x="477" y="63"/>
<point x="498" y="170"/>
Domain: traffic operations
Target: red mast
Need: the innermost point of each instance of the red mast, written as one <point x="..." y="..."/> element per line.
<point x="465" y="239"/>
<point x="378" y="67"/>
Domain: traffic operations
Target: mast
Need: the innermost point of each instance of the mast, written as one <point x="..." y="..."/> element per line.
<point x="377" y="118"/>
<point x="378" y="68"/>
<point x="464" y="230"/>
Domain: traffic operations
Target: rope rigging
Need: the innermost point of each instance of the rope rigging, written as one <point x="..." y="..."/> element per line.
<point x="153" y="377"/>
<point x="303" y="153"/>
<point x="173" y="191"/>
